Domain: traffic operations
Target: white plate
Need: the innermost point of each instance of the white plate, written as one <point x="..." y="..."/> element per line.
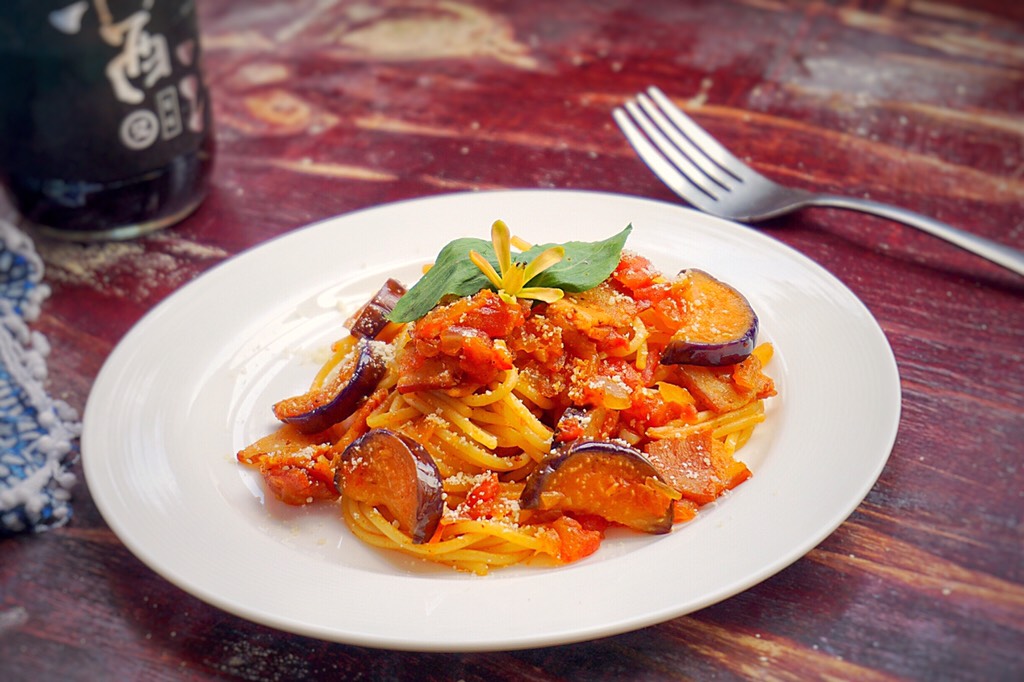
<point x="193" y="382"/>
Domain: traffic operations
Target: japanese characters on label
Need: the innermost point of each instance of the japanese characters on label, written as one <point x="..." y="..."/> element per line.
<point x="143" y="65"/>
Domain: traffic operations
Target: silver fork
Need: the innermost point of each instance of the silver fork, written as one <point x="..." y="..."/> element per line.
<point x="704" y="173"/>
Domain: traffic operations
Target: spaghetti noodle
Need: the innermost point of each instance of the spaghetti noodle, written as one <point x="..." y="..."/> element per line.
<point x="487" y="390"/>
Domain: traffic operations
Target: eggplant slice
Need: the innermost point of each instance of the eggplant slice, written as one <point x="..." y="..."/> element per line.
<point x="385" y="468"/>
<point x="371" y="319"/>
<point x="603" y="478"/>
<point x="721" y="329"/>
<point x="321" y="408"/>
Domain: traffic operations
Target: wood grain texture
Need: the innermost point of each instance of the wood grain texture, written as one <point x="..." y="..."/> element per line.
<point x="328" y="106"/>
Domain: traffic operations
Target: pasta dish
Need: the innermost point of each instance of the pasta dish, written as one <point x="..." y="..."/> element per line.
<point x="516" y="406"/>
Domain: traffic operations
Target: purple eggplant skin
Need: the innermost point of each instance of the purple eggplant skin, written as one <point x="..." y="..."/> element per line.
<point x="540" y="480"/>
<point x="320" y="409"/>
<point x="369" y="320"/>
<point x="723" y="310"/>
<point x="731" y="352"/>
<point x="367" y="469"/>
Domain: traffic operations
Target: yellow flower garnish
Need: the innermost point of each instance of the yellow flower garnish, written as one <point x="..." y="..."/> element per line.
<point x="458" y="270"/>
<point x="514" y="277"/>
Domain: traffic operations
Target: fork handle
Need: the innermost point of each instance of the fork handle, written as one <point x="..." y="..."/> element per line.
<point x="1008" y="257"/>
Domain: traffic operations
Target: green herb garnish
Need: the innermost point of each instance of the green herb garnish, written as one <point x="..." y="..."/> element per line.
<point x="583" y="266"/>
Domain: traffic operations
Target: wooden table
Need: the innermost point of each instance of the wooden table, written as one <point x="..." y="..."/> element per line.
<point x="326" y="107"/>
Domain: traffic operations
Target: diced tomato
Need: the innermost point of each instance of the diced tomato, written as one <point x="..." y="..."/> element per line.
<point x="571" y="425"/>
<point x="597" y="423"/>
<point x="666" y="310"/>
<point x="611" y="382"/>
<point x="650" y="408"/>
<point x="454" y="344"/>
<point x="485" y="311"/>
<point x="634" y="271"/>
<point x="480" y="359"/>
<point x="611" y="340"/>
<point x="482" y="497"/>
<point x="539" y="338"/>
<point x="575" y="541"/>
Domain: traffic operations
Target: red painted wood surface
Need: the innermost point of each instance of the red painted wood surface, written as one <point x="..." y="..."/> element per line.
<point x="327" y="106"/>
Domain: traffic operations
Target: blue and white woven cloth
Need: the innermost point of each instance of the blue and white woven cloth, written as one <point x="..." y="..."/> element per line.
<point x="38" y="434"/>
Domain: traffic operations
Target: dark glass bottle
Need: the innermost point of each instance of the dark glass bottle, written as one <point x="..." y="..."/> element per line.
<point x="105" y="122"/>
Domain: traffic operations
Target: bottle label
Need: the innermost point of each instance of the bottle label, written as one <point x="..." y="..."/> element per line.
<point x="99" y="90"/>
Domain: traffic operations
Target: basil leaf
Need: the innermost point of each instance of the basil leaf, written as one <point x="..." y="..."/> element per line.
<point x="586" y="264"/>
<point x="452" y="273"/>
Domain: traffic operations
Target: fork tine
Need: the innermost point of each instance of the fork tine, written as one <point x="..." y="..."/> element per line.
<point x="660" y="165"/>
<point x="676" y="156"/>
<point x="681" y="145"/>
<point x="707" y="144"/>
